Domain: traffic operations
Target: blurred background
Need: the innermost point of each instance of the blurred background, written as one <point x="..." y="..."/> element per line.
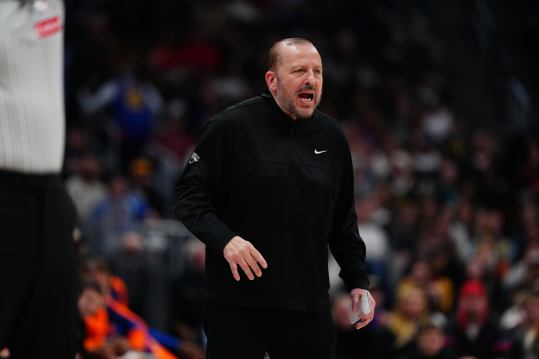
<point x="439" y="102"/>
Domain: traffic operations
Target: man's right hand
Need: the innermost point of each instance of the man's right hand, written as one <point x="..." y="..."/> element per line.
<point x="239" y="252"/>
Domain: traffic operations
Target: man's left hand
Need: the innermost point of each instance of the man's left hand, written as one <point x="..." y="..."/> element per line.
<point x="365" y="318"/>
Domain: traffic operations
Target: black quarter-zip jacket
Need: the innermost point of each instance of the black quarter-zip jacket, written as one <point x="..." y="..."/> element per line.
<point x="287" y="187"/>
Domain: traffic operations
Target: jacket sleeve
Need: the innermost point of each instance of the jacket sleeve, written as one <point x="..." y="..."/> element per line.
<point x="345" y="242"/>
<point x="197" y="191"/>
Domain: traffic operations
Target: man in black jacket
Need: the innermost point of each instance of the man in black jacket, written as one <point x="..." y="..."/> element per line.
<point x="268" y="187"/>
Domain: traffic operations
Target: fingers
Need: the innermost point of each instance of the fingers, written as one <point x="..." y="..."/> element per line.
<point x="363" y="323"/>
<point x="234" y="270"/>
<point x="253" y="265"/>
<point x="246" y="269"/>
<point x="258" y="257"/>
<point x="365" y="319"/>
<point x="239" y="252"/>
<point x="355" y="302"/>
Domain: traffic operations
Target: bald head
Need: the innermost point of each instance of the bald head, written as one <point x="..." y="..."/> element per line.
<point x="275" y="52"/>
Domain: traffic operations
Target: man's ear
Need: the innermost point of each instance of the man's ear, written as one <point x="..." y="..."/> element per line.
<point x="271" y="80"/>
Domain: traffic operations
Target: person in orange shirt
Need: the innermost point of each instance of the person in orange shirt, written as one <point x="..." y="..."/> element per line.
<point x="111" y="286"/>
<point x="111" y="294"/>
<point x="112" y="329"/>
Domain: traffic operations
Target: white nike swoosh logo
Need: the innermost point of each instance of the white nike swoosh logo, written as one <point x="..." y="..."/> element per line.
<point x="316" y="152"/>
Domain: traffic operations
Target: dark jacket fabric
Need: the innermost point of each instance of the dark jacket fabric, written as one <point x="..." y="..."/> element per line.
<point x="287" y="187"/>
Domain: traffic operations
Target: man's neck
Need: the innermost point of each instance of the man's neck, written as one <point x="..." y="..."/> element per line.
<point x="283" y="109"/>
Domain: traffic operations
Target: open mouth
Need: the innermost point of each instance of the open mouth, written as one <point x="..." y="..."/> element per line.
<point x="306" y="97"/>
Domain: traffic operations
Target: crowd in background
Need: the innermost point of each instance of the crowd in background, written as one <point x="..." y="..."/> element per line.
<point x="449" y="209"/>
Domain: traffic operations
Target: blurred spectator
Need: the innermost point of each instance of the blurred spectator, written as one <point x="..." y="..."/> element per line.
<point x="111" y="330"/>
<point x="106" y="315"/>
<point x="402" y="173"/>
<point x="95" y="329"/>
<point x="174" y="136"/>
<point x="97" y="269"/>
<point x="447" y="190"/>
<point x="85" y="187"/>
<point x="375" y="237"/>
<point x="429" y="343"/>
<point x="482" y="170"/>
<point x="75" y="148"/>
<point x="134" y="104"/>
<point x="476" y="334"/>
<point x="230" y="87"/>
<point x="411" y="310"/>
<point x="403" y="229"/>
<point x="525" y="273"/>
<point x="427" y="159"/>
<point x="113" y="216"/>
<point x="142" y="175"/>
<point x="526" y="335"/>
<point x="146" y="277"/>
<point x="460" y="228"/>
<point x="439" y="289"/>
<point x="438" y="121"/>
<point x="528" y="228"/>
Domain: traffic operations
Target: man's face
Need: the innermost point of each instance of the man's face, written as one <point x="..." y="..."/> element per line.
<point x="90" y="301"/>
<point x="296" y="82"/>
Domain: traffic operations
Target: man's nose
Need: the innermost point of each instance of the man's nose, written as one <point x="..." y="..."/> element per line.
<point x="309" y="77"/>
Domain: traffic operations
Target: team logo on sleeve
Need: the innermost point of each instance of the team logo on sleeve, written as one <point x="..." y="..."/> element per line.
<point x="194" y="158"/>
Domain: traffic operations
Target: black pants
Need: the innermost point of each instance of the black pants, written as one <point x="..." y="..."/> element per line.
<point x="246" y="333"/>
<point x="38" y="275"/>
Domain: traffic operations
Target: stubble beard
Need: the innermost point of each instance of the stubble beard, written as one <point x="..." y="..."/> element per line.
<point x="286" y="99"/>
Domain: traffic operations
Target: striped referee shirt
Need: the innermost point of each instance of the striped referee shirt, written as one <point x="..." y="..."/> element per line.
<point x="31" y="85"/>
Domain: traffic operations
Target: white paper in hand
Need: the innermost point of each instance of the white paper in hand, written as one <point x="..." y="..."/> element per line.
<point x="364" y="308"/>
<point x="365" y="305"/>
